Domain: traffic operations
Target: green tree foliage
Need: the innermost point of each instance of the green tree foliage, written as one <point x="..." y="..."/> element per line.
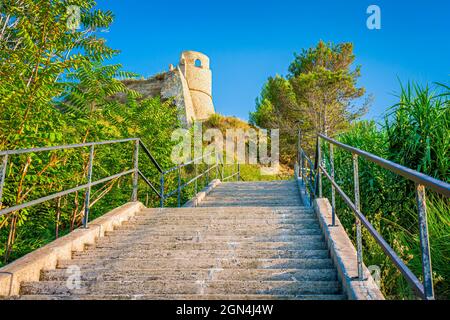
<point x="318" y="96"/>
<point x="416" y="135"/>
<point x="57" y="88"/>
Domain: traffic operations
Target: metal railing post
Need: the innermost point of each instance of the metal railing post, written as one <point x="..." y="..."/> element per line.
<point x="424" y="243"/>
<point x="311" y="185"/>
<point x="196" y="179"/>
<point x="333" y="191"/>
<point x="217" y="166"/>
<point x="238" y="172"/>
<point x="358" y="222"/>
<point x="136" y="172"/>
<point x="223" y="168"/>
<point x="319" y="162"/>
<point x="207" y="174"/>
<point x="162" y="190"/>
<point x="3" y="176"/>
<point x="303" y="170"/>
<point x="299" y="148"/>
<point x="179" y="187"/>
<point x="87" y="196"/>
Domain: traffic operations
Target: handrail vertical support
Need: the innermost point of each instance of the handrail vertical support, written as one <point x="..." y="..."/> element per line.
<point x="162" y="190"/>
<point x="424" y="242"/>
<point x="333" y="191"/>
<point x="179" y="187"/>
<point x="358" y="222"/>
<point x="217" y="166"/>
<point x="136" y="172"/>
<point x="3" y="176"/>
<point x="87" y="196"/>
<point x="299" y="148"/>
<point x="196" y="174"/>
<point x="223" y="168"/>
<point x="319" y="162"/>
<point x="238" y="172"/>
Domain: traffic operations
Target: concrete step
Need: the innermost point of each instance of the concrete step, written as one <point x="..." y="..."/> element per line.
<point x="255" y="209"/>
<point x="213" y="222"/>
<point x="156" y="239"/>
<point x="200" y="263"/>
<point x="126" y="252"/>
<point x="183" y="287"/>
<point x="203" y="232"/>
<point x="185" y="297"/>
<point x="106" y="243"/>
<point x="249" y="203"/>
<point x="225" y="218"/>
<point x="218" y="225"/>
<point x="199" y="274"/>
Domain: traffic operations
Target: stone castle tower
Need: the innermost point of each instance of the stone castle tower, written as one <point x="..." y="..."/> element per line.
<point x="189" y="85"/>
<point x="195" y="69"/>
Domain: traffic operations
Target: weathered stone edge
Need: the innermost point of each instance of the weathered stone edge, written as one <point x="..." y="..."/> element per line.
<point x="28" y="268"/>
<point x="199" y="197"/>
<point x="343" y="254"/>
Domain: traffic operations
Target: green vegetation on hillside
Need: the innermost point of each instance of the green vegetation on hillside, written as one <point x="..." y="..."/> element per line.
<point x="57" y="88"/>
<point x="318" y="96"/>
<point x="416" y="134"/>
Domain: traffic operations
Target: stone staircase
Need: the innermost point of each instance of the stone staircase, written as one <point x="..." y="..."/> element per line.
<point x="247" y="240"/>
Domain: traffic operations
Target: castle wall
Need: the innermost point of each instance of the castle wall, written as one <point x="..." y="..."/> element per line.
<point x="176" y="87"/>
<point x="189" y="84"/>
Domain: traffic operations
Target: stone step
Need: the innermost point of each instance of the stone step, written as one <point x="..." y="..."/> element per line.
<point x="156" y="239"/>
<point x="226" y="217"/>
<point x="200" y="263"/>
<point x="249" y="203"/>
<point x="127" y="252"/>
<point x="217" y="228"/>
<point x="106" y="243"/>
<point x="203" y="232"/>
<point x="255" y="209"/>
<point x="185" y="297"/>
<point x="255" y="196"/>
<point x="214" y="222"/>
<point x="183" y="287"/>
<point x="199" y="274"/>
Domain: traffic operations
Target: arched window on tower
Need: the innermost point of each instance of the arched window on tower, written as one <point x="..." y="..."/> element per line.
<point x="198" y="63"/>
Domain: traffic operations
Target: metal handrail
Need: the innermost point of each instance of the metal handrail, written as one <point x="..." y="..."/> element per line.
<point x="181" y="185"/>
<point x="425" y="289"/>
<point x="135" y="171"/>
<point x="415" y="176"/>
<point x="68" y="146"/>
<point x="87" y="187"/>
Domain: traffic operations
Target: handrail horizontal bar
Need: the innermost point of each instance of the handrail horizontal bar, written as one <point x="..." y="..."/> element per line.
<point x="199" y="176"/>
<point x="149" y="183"/>
<point x="62" y="193"/>
<point x="144" y="147"/>
<point x="311" y="164"/>
<point x="420" y="178"/>
<point x="401" y="266"/>
<point x="185" y="164"/>
<point x="63" y="147"/>
<point x="231" y="176"/>
<point x="190" y="181"/>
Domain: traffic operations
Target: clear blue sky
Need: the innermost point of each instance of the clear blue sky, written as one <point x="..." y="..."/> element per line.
<point x="250" y="40"/>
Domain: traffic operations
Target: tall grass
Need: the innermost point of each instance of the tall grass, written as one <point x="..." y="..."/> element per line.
<point x="416" y="134"/>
